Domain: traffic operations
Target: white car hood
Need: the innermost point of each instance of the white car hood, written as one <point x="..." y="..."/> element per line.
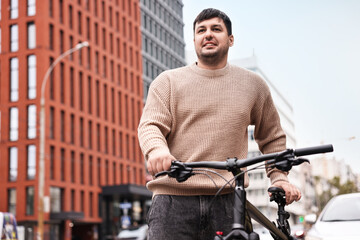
<point x="348" y="230"/>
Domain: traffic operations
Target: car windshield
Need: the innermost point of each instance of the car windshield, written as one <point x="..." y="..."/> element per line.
<point x="343" y="209"/>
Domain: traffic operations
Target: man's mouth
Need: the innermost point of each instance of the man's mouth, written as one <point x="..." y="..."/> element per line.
<point x="209" y="44"/>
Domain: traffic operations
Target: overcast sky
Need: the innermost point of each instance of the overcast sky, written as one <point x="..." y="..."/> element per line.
<point x="310" y="50"/>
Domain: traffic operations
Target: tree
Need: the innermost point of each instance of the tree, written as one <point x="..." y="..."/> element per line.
<point x="336" y="188"/>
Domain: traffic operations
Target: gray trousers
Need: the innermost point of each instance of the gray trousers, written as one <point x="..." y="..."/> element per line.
<point x="191" y="217"/>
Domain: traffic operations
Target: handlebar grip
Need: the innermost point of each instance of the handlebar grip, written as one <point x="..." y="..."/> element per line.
<point x="313" y="150"/>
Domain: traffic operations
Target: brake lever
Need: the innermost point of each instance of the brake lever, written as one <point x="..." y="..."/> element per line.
<point x="286" y="164"/>
<point x="178" y="171"/>
<point x="299" y="161"/>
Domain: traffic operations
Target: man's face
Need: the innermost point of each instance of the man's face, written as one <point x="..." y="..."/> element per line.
<point x="211" y="40"/>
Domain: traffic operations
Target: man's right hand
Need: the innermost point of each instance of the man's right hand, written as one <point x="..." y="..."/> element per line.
<point x="159" y="161"/>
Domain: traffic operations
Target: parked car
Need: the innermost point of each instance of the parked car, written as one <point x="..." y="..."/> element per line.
<point x="340" y="219"/>
<point x="139" y="233"/>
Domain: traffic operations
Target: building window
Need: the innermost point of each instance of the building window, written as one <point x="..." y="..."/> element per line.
<point x="13" y="164"/>
<point x="52" y="163"/>
<point x="14" y="38"/>
<point x="106" y="140"/>
<point x="71" y="43"/>
<point x="31" y="76"/>
<point x="72" y="128"/>
<point x="14" y="124"/>
<point x="70" y="17"/>
<point x="120" y="108"/>
<point x="113" y="143"/>
<point x="62" y="126"/>
<point x="12" y="201"/>
<point x="61" y="11"/>
<point x="30" y="192"/>
<point x="96" y="34"/>
<point x="14" y="9"/>
<point x="31" y="43"/>
<point x="88" y="28"/>
<point x="51" y="37"/>
<point x="120" y="145"/>
<point x="61" y="44"/>
<point x="105" y="102"/>
<point x="90" y="170"/>
<point x="99" y="171"/>
<point x="81" y="91"/>
<point x="81" y="132"/>
<point x="82" y="200"/>
<point x="51" y="81"/>
<point x="55" y="199"/>
<point x="31" y="162"/>
<point x="82" y="168"/>
<point x="97" y="98"/>
<point x="107" y="172"/>
<point x="31" y="122"/>
<point x="14" y="79"/>
<point x="31" y="7"/>
<point x="52" y="122"/>
<point x="91" y="212"/>
<point x="72" y="87"/>
<point x="89" y="95"/>
<point x="90" y="134"/>
<point x="72" y="166"/>
<point x="72" y="200"/>
<point x="62" y="83"/>
<point x="79" y="23"/>
<point x="51" y="14"/>
<point x="62" y="164"/>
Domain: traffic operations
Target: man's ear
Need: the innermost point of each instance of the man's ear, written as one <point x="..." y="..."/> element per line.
<point x="231" y="40"/>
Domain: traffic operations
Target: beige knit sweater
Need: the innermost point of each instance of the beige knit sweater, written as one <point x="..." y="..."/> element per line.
<point x="203" y="115"/>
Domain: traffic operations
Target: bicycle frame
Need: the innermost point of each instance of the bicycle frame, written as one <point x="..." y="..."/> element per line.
<point x="240" y="206"/>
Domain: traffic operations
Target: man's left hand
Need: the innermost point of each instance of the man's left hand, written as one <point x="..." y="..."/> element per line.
<point x="292" y="193"/>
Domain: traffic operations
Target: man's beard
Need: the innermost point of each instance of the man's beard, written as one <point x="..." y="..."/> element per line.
<point x="212" y="58"/>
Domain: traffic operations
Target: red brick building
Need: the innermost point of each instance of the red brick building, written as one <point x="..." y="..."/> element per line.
<point x="93" y="102"/>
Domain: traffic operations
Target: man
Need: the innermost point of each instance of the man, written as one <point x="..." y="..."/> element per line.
<point x="201" y="112"/>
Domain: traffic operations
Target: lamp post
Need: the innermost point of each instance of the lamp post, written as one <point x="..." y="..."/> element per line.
<point x="41" y="181"/>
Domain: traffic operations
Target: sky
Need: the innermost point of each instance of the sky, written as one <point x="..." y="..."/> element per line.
<point x="310" y="50"/>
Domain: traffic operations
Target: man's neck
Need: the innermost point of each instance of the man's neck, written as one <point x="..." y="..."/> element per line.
<point x="211" y="66"/>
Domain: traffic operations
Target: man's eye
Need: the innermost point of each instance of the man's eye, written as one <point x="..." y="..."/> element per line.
<point x="217" y="29"/>
<point x="201" y="30"/>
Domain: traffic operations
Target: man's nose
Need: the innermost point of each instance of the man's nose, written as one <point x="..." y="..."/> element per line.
<point x="208" y="34"/>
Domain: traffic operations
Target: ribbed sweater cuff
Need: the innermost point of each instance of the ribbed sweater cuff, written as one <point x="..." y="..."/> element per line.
<point x="278" y="176"/>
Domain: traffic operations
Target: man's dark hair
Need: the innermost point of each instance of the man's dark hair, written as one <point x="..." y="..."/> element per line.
<point x="212" y="13"/>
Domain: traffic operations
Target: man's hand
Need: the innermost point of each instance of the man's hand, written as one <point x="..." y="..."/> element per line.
<point x="292" y="193"/>
<point x="160" y="161"/>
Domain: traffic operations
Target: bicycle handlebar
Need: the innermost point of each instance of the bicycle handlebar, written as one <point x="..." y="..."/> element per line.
<point x="313" y="150"/>
<point x="282" y="160"/>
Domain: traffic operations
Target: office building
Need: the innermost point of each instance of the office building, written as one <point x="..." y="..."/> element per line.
<point x="163" y="45"/>
<point x="94" y="170"/>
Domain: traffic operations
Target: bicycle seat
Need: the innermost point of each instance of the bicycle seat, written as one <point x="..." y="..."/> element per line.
<point x="277" y="195"/>
<point x="276" y="190"/>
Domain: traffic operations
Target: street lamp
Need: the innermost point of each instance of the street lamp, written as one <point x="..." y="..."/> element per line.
<point x="41" y="182"/>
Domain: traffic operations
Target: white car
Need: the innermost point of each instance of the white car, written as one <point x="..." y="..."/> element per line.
<point x="339" y="220"/>
<point x="133" y="234"/>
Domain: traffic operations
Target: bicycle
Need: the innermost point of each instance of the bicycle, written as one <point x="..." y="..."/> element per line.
<point x="284" y="161"/>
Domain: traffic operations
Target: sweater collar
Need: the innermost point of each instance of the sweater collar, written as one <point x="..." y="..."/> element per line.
<point x="210" y="73"/>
